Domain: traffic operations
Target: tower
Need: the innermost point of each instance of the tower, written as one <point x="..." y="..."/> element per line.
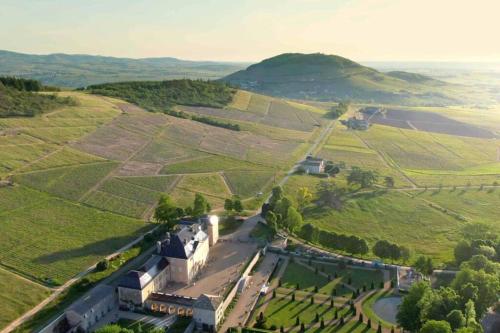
<point x="213" y="229"/>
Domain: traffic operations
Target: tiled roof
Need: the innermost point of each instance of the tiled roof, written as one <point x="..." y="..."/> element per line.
<point x="183" y="244"/>
<point x="208" y="302"/>
<point x="140" y="278"/>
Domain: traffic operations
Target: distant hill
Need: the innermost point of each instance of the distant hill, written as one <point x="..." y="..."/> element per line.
<point x="18" y="99"/>
<point x="82" y="70"/>
<point x="333" y="78"/>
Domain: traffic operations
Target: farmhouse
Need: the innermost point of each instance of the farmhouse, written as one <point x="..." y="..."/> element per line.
<point x="178" y="259"/>
<point x="313" y="165"/>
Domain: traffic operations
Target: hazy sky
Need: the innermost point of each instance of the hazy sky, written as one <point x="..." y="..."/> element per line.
<point x="250" y="30"/>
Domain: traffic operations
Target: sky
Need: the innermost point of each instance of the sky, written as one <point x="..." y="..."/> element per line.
<point x="251" y="30"/>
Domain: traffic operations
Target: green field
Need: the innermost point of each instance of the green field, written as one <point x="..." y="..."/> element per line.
<point x="18" y="296"/>
<point x="68" y="182"/>
<point x="49" y="238"/>
<point x="442" y="182"/>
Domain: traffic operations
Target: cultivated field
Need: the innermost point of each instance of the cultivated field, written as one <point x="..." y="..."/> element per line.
<point x="18" y="296"/>
<point x="442" y="181"/>
<point x="47" y="238"/>
<point x="86" y="177"/>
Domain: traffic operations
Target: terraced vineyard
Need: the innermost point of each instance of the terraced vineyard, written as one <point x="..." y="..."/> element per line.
<point x="87" y="176"/>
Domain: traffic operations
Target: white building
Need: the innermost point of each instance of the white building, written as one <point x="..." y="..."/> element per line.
<point x="85" y="313"/>
<point x="313" y="165"/>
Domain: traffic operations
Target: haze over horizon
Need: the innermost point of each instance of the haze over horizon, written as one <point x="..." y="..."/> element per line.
<point x="249" y="31"/>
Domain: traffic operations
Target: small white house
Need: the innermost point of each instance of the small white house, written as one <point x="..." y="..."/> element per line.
<point x="313" y="165"/>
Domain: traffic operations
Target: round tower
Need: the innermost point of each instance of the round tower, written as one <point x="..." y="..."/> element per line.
<point x="213" y="229"/>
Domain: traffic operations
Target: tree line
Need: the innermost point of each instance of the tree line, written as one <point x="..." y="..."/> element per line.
<point x="18" y="98"/>
<point x="162" y="96"/>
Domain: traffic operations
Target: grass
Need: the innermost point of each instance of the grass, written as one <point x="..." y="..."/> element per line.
<point x="210" y="184"/>
<point x="155" y="183"/>
<point x="368" y="308"/>
<point x="18" y="296"/>
<point x="68" y="182"/>
<point x="249" y="183"/>
<point x="67" y="297"/>
<point x="283" y="312"/>
<point x="359" y="277"/>
<point x="47" y="238"/>
<point x="211" y="163"/>
<point x="63" y="158"/>
<point x="294" y="274"/>
<point x="135" y="325"/>
<point x="393" y="216"/>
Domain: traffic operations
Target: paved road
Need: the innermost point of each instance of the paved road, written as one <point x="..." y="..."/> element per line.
<point x="239" y="315"/>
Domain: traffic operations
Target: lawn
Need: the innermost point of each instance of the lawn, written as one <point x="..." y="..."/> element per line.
<point x="370" y="301"/>
<point x="307" y="280"/>
<point x="359" y="277"/>
<point x="284" y="312"/>
<point x="18" y="296"/>
<point x="48" y="238"/>
<point x="393" y="216"/>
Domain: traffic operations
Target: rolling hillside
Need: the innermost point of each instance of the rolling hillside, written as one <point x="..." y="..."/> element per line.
<point x="81" y="70"/>
<point x="333" y="78"/>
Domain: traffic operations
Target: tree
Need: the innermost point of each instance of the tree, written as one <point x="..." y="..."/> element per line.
<point x="424" y="265"/>
<point x="281" y="208"/>
<point x="276" y="196"/>
<point x="487" y="288"/>
<point x="166" y="212"/>
<point x="309" y="232"/>
<point x="456" y="319"/>
<point x="102" y="265"/>
<point x="437" y="304"/>
<point x="363" y="178"/>
<point x="237" y="205"/>
<point x="463" y="251"/>
<point x="405" y="253"/>
<point x="436" y="326"/>
<point x="294" y="220"/>
<point x="271" y="220"/>
<point x="409" y="310"/>
<point x="389" y="182"/>
<point x="200" y="206"/>
<point x="382" y="249"/>
<point x="304" y="197"/>
<point x="330" y="195"/>
<point x="228" y="205"/>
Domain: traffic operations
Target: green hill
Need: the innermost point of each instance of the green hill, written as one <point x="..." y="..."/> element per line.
<point x="66" y="70"/>
<point x="333" y="78"/>
<point x="18" y="99"/>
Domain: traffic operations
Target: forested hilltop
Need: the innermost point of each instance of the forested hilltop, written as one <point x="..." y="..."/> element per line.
<point x="333" y="78"/>
<point x="20" y="98"/>
<point x="161" y="95"/>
